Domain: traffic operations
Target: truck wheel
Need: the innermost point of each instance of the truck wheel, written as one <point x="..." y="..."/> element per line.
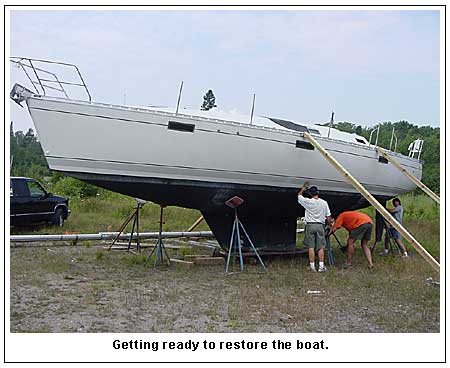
<point x="58" y="218"/>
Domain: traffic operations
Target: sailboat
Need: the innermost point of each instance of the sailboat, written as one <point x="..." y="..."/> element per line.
<point x="201" y="158"/>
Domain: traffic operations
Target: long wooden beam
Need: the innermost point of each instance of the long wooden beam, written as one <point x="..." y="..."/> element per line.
<point x="383" y="211"/>
<point x="416" y="181"/>
<point x="195" y="224"/>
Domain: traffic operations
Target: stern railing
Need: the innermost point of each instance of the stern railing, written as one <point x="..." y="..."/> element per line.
<point x="44" y="80"/>
<point x="415" y="147"/>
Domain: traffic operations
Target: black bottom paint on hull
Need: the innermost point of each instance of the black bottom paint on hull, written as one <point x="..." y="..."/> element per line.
<point x="269" y="214"/>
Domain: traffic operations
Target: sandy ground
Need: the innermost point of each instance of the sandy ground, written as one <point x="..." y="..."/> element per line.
<point x="88" y="289"/>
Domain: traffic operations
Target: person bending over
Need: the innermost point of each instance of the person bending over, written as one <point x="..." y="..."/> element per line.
<point x="359" y="227"/>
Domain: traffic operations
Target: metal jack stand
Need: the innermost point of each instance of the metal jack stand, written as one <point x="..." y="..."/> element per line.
<point x="235" y="241"/>
<point x="159" y="249"/>
<point x="391" y="241"/>
<point x="392" y="244"/>
<point x="329" y="251"/>
<point x="135" y="217"/>
<point x="343" y="249"/>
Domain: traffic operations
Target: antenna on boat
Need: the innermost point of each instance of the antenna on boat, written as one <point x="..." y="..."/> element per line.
<point x="330" y="124"/>
<point x="253" y="109"/>
<point x="179" y="97"/>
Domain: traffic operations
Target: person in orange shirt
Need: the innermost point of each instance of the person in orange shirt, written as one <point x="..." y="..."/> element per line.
<point x="359" y="227"/>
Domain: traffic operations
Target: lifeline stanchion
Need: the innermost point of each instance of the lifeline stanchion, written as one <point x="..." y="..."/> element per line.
<point x="235" y="241"/>
<point x="159" y="250"/>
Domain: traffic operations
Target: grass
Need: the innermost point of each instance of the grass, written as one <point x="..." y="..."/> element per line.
<point x="88" y="289"/>
<point x="102" y="214"/>
<point x="419" y="207"/>
<point x="116" y="293"/>
<point x="420" y="213"/>
<point x="56" y="265"/>
<point x="99" y="254"/>
<point x="108" y="212"/>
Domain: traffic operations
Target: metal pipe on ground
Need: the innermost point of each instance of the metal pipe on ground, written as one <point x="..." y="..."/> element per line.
<point x="108" y="235"/>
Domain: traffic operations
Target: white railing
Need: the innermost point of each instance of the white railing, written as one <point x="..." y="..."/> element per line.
<point x="377" y="129"/>
<point x="393" y="136"/>
<point x="45" y="81"/>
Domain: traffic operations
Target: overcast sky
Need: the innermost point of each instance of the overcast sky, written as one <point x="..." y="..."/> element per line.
<point x="369" y="66"/>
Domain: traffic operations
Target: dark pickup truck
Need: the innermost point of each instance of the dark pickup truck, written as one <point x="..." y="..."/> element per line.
<point x="30" y="203"/>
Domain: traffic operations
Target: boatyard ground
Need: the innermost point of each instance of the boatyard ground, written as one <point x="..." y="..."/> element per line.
<point x="85" y="288"/>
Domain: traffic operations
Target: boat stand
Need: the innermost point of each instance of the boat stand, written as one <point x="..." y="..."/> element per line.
<point x="342" y="248"/>
<point x="393" y="246"/>
<point x="235" y="241"/>
<point x="329" y="251"/>
<point x="391" y="242"/>
<point x="134" y="215"/>
<point x="159" y="249"/>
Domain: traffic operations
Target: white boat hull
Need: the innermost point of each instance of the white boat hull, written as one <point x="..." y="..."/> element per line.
<point x="81" y="137"/>
<point x="131" y="150"/>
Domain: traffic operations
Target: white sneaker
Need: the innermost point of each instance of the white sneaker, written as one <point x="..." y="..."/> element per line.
<point x="405" y="255"/>
<point x="322" y="269"/>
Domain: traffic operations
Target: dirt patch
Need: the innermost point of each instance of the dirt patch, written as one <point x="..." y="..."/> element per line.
<point x="88" y="289"/>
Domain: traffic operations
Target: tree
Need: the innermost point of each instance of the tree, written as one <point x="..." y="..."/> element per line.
<point x="26" y="155"/>
<point x="209" y="101"/>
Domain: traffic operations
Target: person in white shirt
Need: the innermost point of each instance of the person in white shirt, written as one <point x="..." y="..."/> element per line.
<point x="316" y="213"/>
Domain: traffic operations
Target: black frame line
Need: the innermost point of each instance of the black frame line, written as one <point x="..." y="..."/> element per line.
<point x="6" y="6"/>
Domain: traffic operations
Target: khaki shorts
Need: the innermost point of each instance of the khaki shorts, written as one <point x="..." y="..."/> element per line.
<point x="362" y="232"/>
<point x="315" y="236"/>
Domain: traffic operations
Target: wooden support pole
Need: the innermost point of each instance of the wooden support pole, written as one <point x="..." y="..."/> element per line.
<point x="182" y="263"/>
<point x="416" y="181"/>
<point x="383" y="211"/>
<point x="196" y="223"/>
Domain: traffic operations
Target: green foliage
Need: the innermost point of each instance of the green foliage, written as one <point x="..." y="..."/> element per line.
<point x="99" y="254"/>
<point x="135" y="259"/>
<point x="26" y="155"/>
<point x="74" y="188"/>
<point x="99" y="214"/>
<point x="420" y="207"/>
<point x="56" y="264"/>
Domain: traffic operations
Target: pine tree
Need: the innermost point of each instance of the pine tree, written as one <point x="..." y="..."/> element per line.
<point x="209" y="101"/>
